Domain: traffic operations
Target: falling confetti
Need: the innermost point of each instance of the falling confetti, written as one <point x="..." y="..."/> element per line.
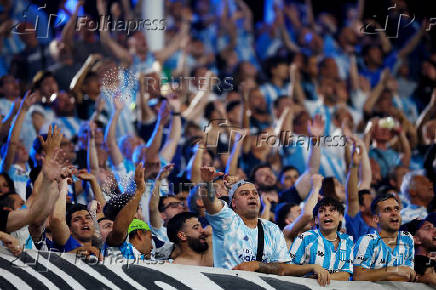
<point x="119" y="82"/>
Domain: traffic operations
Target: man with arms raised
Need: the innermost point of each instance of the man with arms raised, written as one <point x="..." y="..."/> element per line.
<point x="194" y="242"/>
<point x="236" y="229"/>
<point x="387" y="254"/>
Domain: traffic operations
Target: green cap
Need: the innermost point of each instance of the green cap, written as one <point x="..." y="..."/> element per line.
<point x="137" y="224"/>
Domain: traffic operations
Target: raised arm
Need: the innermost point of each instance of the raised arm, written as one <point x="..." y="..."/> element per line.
<point x="123" y="219"/>
<point x="147" y="114"/>
<point x="405" y="147"/>
<point x="413" y="42"/>
<point x="120" y="52"/>
<point x="153" y="145"/>
<point x="174" y="45"/>
<point x="58" y="224"/>
<point x="92" y="150"/>
<point x="79" y="77"/>
<point x="7" y="120"/>
<point x="14" y="135"/>
<point x="196" y="107"/>
<point x="316" y="130"/>
<point x="153" y="204"/>
<point x="426" y="116"/>
<point x="67" y="33"/>
<point x="376" y="92"/>
<point x="195" y="163"/>
<point x="110" y="139"/>
<point x="170" y="146"/>
<point x="83" y="174"/>
<point x="292" y="230"/>
<point x="211" y="203"/>
<point x="232" y="161"/>
<point x="352" y="180"/>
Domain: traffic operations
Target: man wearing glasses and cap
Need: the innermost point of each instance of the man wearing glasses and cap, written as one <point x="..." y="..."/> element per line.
<point x="238" y="234"/>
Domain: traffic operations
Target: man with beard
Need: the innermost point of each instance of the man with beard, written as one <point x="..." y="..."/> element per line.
<point x="260" y="118"/>
<point x="237" y="231"/>
<point x="194" y="242"/>
<point x="387" y="254"/>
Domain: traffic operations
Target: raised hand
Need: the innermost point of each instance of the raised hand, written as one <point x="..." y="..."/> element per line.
<point x="317" y="181"/>
<point x="30" y="99"/>
<point x="118" y="103"/>
<point x="164" y="113"/>
<point x="12" y="244"/>
<point x="175" y="104"/>
<point x="356" y="154"/>
<point x="83" y="174"/>
<point x="229" y="180"/>
<point x="165" y="171"/>
<point x="208" y="174"/>
<point x="53" y="142"/>
<point x="139" y="177"/>
<point x="315" y="127"/>
<point x="53" y="167"/>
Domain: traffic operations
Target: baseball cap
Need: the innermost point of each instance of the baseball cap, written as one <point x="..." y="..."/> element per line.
<point x="137" y="224"/>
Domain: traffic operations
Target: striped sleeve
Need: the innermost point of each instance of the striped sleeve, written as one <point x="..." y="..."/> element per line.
<point x="348" y="266"/>
<point x="410" y="260"/>
<point x="363" y="251"/>
<point x="298" y="250"/>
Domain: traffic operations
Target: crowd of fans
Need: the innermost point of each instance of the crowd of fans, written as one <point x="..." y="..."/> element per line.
<point x="297" y="147"/>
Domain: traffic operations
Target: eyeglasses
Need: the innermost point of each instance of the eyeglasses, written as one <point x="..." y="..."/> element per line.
<point x="174" y="204"/>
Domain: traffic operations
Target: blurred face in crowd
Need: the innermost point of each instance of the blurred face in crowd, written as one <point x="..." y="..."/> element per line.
<point x="21" y="154"/>
<point x="398" y="176"/>
<point x="206" y="159"/>
<point x="152" y="83"/>
<point x="280" y="71"/>
<point x="366" y="206"/>
<point x="312" y="66"/>
<point x="283" y="103"/>
<point x="68" y="148"/>
<point x="129" y="144"/>
<point x="294" y="213"/>
<point x="348" y="36"/>
<point x="137" y="43"/>
<point x="382" y="134"/>
<point x="82" y="226"/>
<point x="197" y="49"/>
<point x="329" y="69"/>
<point x="4" y="186"/>
<point x="430" y="131"/>
<point x="171" y="206"/>
<point x="340" y="190"/>
<point x="300" y="123"/>
<point x="328" y="218"/>
<point x="342" y="115"/>
<point x="388" y="215"/>
<point x="248" y="70"/>
<point x="64" y="104"/>
<point x="374" y="56"/>
<point x="105" y="228"/>
<point x="143" y="242"/>
<point x="10" y="88"/>
<point x="246" y="201"/>
<point x="428" y="70"/>
<point x="426" y="237"/>
<point x="289" y="177"/>
<point x="258" y="102"/>
<point x="235" y="115"/>
<point x="49" y="86"/>
<point x="91" y="86"/>
<point x="194" y="234"/>
<point x="327" y="89"/>
<point x="375" y="172"/>
<point x="265" y="177"/>
<point x="422" y="189"/>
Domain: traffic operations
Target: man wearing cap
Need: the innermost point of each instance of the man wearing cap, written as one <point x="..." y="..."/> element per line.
<point x="140" y="237"/>
<point x="238" y="234"/>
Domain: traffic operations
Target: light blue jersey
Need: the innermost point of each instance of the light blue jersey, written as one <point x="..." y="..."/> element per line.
<point x="371" y="252"/>
<point x="235" y="243"/>
<point x="311" y="247"/>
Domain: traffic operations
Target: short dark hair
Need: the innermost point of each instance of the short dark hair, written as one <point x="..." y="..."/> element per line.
<point x="328" y="201"/>
<point x="380" y="198"/>
<point x="161" y="206"/>
<point x="362" y="193"/>
<point x="230" y="106"/>
<point x="277" y="101"/>
<point x="256" y="168"/>
<point x="282" y="212"/>
<point x="72" y="209"/>
<point x="208" y="109"/>
<point x="176" y="223"/>
<point x="9" y="181"/>
<point x="286" y="168"/>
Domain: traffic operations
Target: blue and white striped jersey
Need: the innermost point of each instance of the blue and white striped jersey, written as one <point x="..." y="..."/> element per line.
<point x="311" y="247"/>
<point x="371" y="252"/>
